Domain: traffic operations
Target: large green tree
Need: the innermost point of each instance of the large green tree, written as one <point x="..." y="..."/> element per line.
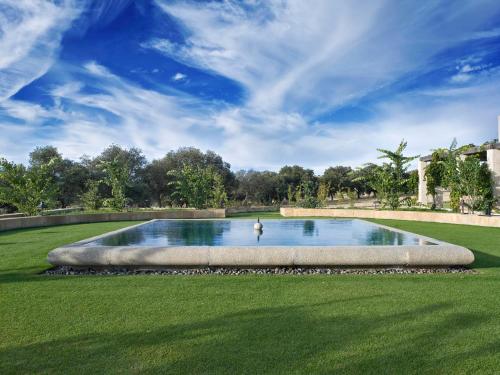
<point x="26" y="188"/>
<point x="292" y="178"/>
<point x="117" y="177"/>
<point x="256" y="187"/>
<point x="134" y="161"/>
<point x="69" y="176"/>
<point x="176" y="160"/>
<point x="338" y="178"/>
<point x="393" y="175"/>
<point x="198" y="187"/>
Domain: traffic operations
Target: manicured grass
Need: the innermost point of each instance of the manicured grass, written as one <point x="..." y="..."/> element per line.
<point x="446" y="323"/>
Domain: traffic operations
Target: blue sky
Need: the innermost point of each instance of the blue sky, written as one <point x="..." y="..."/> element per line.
<point x="263" y="83"/>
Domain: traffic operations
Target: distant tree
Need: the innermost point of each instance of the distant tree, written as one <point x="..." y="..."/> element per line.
<point x="219" y="195"/>
<point x="451" y="176"/>
<point x="323" y="193"/>
<point x="117" y="177"/>
<point x="363" y="179"/>
<point x="68" y="176"/>
<point x="194" y="185"/>
<point x="412" y="182"/>
<point x="257" y="187"/>
<point x="42" y="156"/>
<point x="294" y="176"/>
<point x="475" y="183"/>
<point x="434" y="174"/>
<point x="290" y="193"/>
<point x="175" y="160"/>
<point x="308" y="195"/>
<point x="25" y="188"/>
<point x="91" y="198"/>
<point x="157" y="179"/>
<point x="338" y="178"/>
<point x="486" y="189"/>
<point x="392" y="176"/>
<point x="136" y="190"/>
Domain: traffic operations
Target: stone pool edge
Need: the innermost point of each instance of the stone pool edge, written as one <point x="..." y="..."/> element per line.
<point x="79" y="255"/>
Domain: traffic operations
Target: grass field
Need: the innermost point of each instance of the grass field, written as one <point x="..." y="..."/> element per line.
<point x="441" y="323"/>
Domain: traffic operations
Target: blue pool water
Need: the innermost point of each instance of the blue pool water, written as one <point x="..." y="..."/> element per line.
<point x="322" y="232"/>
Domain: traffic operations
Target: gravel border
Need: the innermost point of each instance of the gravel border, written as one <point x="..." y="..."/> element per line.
<point x="66" y="270"/>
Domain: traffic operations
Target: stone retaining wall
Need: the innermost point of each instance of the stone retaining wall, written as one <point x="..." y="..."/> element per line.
<point x="435" y="217"/>
<point x="238" y="210"/>
<point x="45" y="221"/>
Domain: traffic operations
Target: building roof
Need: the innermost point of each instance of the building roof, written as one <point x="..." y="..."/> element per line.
<point x="470" y="151"/>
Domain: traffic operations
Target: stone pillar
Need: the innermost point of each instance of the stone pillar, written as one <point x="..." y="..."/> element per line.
<point x="422" y="183"/>
<point x="493" y="160"/>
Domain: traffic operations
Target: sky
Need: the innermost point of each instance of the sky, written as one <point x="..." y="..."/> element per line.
<point x="263" y="83"/>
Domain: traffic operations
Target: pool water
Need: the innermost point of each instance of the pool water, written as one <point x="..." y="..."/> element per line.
<point x="323" y="232"/>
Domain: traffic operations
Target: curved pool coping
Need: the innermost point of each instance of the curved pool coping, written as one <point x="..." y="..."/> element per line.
<point x="79" y="254"/>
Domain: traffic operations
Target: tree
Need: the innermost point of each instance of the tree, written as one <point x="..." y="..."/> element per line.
<point x="91" y="199"/>
<point x="25" y="188"/>
<point x="198" y="187"/>
<point x="412" y="182"/>
<point x="339" y="179"/>
<point x="175" y="160"/>
<point x="44" y="155"/>
<point x="68" y="176"/>
<point x="323" y="193"/>
<point x="451" y="176"/>
<point x="133" y="160"/>
<point x="392" y="175"/>
<point x="117" y="177"/>
<point x="363" y="179"/>
<point x="156" y="178"/>
<point x="308" y="195"/>
<point x="257" y="187"/>
<point x="475" y="183"/>
<point x="294" y="176"/>
<point x="486" y="189"/>
<point x="219" y="195"/>
<point x="434" y="174"/>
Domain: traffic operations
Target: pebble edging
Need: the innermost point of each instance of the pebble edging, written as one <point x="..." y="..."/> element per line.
<point x="65" y="270"/>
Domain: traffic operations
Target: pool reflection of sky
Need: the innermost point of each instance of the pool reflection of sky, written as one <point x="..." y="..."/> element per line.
<point x="275" y="233"/>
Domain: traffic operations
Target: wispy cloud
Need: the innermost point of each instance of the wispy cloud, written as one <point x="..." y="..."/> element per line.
<point x="296" y="61"/>
<point x="30" y="34"/>
<point x="310" y="57"/>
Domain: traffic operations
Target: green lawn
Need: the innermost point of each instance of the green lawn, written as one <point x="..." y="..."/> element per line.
<point x="442" y="323"/>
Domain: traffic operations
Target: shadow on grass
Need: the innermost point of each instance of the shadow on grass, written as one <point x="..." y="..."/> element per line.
<point x="484" y="260"/>
<point x="304" y="338"/>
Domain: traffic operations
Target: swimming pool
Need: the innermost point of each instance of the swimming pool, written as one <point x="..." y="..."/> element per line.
<point x="291" y="242"/>
<point x="322" y="232"/>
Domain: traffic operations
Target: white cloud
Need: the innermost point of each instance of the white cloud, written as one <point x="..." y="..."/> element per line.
<point x="178" y="77"/>
<point x="30" y="33"/>
<point x="313" y="56"/>
<point x="295" y="60"/>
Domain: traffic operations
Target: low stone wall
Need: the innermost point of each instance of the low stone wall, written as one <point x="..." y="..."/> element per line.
<point x="11" y="216"/>
<point x="435" y="217"/>
<point x="46" y="221"/>
<point x="238" y="210"/>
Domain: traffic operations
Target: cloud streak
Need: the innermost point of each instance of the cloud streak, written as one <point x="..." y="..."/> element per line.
<point x="298" y="63"/>
<point x="30" y="34"/>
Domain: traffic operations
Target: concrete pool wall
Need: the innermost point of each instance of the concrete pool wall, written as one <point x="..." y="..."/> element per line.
<point x="432" y="217"/>
<point x="46" y="221"/>
<point x="80" y="254"/>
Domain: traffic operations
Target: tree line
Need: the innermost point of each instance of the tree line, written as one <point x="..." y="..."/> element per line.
<point x="119" y="178"/>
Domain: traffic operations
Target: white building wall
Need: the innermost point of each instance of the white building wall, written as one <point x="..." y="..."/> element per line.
<point x="422" y="183"/>
<point x="493" y="160"/>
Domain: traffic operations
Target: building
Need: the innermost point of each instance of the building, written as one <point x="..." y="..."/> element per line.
<point x="489" y="153"/>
